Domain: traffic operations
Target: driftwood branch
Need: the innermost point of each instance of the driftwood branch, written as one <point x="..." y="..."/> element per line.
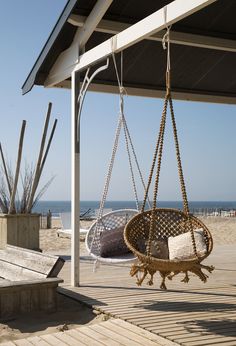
<point x="5" y="169"/>
<point x="42" y="165"/>
<point x="10" y="202"/>
<point x="37" y="170"/>
<point x="27" y="179"/>
<point x="48" y="146"/>
<point x="13" y="193"/>
<point x="3" y="207"/>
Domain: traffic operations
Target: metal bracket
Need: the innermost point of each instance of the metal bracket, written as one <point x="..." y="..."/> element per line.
<point x="83" y="90"/>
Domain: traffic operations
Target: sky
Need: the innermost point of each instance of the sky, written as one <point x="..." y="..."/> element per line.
<point x="206" y="131"/>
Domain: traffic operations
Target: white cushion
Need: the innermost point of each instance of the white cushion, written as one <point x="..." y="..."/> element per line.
<point x="181" y="247"/>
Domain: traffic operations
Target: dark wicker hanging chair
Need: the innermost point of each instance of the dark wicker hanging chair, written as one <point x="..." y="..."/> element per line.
<point x="149" y="233"/>
<point x="167" y="223"/>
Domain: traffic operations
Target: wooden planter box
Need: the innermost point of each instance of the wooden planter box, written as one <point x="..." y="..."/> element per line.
<point x="20" y="230"/>
<point x="28" y="281"/>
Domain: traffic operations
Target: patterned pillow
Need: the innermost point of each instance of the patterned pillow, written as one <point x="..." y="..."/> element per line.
<point x="112" y="243"/>
<point x="181" y="247"/>
<point x="159" y="247"/>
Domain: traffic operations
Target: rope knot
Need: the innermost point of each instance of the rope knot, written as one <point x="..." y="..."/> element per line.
<point x="123" y="91"/>
<point x="166" y="46"/>
<point x="166" y="38"/>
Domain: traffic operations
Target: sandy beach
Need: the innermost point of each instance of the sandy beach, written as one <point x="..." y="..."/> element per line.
<point x="223" y="230"/>
<point x="72" y="314"/>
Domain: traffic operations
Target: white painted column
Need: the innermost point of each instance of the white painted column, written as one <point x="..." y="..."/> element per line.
<point x="80" y="40"/>
<point x="75" y="181"/>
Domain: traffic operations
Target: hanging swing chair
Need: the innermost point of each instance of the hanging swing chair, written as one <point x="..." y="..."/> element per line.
<point x="105" y="238"/>
<point x="168" y="241"/>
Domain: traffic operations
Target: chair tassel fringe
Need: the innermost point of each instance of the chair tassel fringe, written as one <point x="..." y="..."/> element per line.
<point x="141" y="270"/>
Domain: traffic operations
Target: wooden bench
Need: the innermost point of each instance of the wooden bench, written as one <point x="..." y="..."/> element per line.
<point x="28" y="281"/>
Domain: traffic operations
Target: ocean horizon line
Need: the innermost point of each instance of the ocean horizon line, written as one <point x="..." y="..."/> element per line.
<point x="129" y="200"/>
<point x="90" y="207"/>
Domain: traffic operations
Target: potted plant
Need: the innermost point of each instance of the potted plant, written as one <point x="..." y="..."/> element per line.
<point x="19" y="226"/>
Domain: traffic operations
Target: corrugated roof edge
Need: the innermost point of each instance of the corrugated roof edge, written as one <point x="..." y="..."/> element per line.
<point x="30" y="80"/>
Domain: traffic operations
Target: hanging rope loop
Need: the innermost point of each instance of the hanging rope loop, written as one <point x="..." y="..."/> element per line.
<point x="166" y="46"/>
<point x="129" y="146"/>
<point x="157" y="159"/>
<point x="154" y="227"/>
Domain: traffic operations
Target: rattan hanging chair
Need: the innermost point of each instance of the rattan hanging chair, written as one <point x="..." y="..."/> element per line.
<point x="167" y="223"/>
<point x="168" y="241"/>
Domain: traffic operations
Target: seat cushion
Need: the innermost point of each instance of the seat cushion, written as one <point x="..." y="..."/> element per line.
<point x="159" y="247"/>
<point x="112" y="243"/>
<point x="181" y="247"/>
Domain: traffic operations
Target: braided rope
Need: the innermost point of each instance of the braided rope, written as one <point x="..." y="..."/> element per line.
<point x="108" y="177"/>
<point x="159" y="152"/>
<point x="156" y="185"/>
<point x="124" y="123"/>
<point x="121" y="122"/>
<point x="135" y="158"/>
<point x="181" y="175"/>
<point x="180" y="170"/>
<point x="129" y="156"/>
<point x="153" y="160"/>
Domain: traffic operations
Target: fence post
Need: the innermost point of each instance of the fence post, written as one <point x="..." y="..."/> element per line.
<point x="49" y="219"/>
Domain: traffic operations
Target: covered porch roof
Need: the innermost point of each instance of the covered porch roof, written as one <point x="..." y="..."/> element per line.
<point x="202" y="54"/>
<point x="88" y="32"/>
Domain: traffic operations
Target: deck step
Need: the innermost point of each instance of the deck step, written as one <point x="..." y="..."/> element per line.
<point x="114" y="332"/>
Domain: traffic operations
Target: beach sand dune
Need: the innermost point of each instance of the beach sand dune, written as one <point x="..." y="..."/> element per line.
<point x="223" y="229"/>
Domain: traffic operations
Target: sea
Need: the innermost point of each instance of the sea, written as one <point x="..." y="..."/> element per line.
<point x="89" y="208"/>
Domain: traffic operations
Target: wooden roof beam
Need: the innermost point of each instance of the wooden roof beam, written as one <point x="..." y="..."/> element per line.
<point x="70" y="56"/>
<point x="186" y="39"/>
<point x="175" y="11"/>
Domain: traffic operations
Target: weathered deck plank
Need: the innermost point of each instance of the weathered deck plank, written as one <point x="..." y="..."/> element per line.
<point x="61" y="339"/>
<point x="196" y="314"/>
<point x="110" y="333"/>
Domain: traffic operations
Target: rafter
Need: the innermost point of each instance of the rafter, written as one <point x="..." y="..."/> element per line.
<point x="186" y="39"/>
<point x="185" y="95"/>
<point x="70" y="56"/>
<point x="147" y="27"/>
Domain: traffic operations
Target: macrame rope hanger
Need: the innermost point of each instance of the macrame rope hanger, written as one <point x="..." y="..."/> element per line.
<point x="122" y="92"/>
<point x="168" y="99"/>
<point x="157" y="223"/>
<point x="166" y="46"/>
<point x="128" y="142"/>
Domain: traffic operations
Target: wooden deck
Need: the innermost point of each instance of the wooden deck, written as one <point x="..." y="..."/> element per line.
<point x="110" y="333"/>
<point x="193" y="314"/>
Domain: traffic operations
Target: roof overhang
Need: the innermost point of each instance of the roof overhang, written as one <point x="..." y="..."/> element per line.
<point x="202" y="53"/>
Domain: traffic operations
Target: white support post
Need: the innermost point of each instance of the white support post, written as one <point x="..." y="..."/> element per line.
<point x="80" y="40"/>
<point x="75" y="181"/>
